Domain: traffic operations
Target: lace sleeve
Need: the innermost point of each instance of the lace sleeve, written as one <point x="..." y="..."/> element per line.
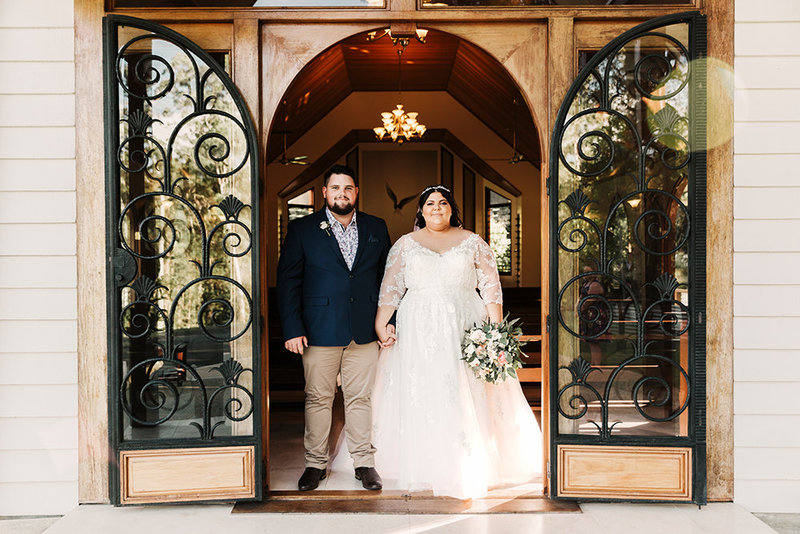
<point x="393" y="286"/>
<point x="488" y="278"/>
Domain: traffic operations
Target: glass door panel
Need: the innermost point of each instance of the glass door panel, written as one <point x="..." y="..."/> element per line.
<point x="182" y="217"/>
<point x="624" y="240"/>
<point x="627" y="235"/>
<point x="186" y="342"/>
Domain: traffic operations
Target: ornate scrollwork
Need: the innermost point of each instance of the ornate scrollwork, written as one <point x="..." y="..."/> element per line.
<point x="673" y="321"/>
<point x="162" y="225"/>
<point x="145" y="72"/>
<point x="577" y="202"/>
<point x="159" y="391"/>
<point x="231" y="207"/>
<point x="580" y="370"/>
<point x="623" y="140"/>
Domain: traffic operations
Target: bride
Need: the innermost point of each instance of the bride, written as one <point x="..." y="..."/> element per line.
<point x="435" y="425"/>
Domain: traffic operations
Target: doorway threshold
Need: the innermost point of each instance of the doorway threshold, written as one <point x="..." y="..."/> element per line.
<point x="398" y="502"/>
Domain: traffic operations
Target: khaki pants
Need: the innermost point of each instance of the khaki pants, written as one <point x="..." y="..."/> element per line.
<point x="320" y="366"/>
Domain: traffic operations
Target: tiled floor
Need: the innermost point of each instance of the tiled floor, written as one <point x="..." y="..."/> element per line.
<point x="595" y="519"/>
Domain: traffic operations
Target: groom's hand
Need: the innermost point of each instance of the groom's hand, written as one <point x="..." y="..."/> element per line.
<point x="296" y="344"/>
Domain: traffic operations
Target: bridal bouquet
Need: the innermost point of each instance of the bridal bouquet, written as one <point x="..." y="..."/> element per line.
<point x="492" y="351"/>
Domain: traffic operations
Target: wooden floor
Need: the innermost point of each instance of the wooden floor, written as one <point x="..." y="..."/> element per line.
<point x="395" y="502"/>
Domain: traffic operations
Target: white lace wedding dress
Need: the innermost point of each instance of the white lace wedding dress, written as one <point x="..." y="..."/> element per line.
<point x="435" y="426"/>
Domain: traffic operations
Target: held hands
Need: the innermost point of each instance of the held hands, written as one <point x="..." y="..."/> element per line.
<point x="296" y="344"/>
<point x="386" y="336"/>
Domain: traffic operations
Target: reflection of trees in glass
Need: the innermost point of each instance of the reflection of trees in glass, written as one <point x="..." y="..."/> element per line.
<point x="623" y="188"/>
<point x="637" y="141"/>
<point x="185" y="228"/>
<point x="498" y="226"/>
<point x="200" y="189"/>
<point x="190" y="161"/>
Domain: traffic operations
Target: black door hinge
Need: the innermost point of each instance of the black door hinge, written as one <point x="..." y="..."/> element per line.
<point x="547" y="324"/>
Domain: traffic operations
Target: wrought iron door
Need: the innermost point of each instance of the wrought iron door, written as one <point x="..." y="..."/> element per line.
<point x="183" y="263"/>
<point x="627" y="208"/>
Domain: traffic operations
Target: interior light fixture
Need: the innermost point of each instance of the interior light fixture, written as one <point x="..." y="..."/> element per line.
<point x="399" y="125"/>
<point x="396" y="37"/>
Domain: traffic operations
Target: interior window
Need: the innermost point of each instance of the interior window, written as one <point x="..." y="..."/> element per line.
<point x="301" y="205"/>
<point x="498" y="229"/>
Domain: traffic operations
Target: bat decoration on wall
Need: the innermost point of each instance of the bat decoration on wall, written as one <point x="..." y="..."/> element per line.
<point x="398" y="205"/>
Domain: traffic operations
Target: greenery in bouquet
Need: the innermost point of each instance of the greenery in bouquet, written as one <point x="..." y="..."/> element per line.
<point x="492" y="350"/>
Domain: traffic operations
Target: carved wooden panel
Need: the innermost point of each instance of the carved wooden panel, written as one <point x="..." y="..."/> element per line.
<point x="179" y="475"/>
<point x="646" y="473"/>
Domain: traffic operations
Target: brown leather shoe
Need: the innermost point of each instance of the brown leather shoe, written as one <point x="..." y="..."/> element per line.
<point x="369" y="478"/>
<point x="310" y="479"/>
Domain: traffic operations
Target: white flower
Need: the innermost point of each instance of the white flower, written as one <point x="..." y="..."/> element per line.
<point x="478" y="336"/>
<point x="470" y="349"/>
<point x="325" y="225"/>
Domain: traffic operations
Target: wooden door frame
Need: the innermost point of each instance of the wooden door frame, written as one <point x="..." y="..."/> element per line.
<point x="560" y="68"/>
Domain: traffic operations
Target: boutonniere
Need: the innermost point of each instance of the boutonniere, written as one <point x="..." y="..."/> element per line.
<point x="325" y="225"/>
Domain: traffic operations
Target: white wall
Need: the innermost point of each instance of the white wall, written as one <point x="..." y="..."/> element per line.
<point x="38" y="371"/>
<point x="38" y="307"/>
<point x="767" y="255"/>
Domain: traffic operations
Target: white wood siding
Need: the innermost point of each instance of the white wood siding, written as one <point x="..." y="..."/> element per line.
<point x="767" y="255"/>
<point x="38" y="374"/>
<point x="38" y="282"/>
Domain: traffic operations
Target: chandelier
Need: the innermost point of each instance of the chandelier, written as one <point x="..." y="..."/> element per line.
<point x="400" y="35"/>
<point x="399" y="125"/>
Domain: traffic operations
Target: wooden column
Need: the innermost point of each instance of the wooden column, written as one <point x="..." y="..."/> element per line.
<point x="719" y="262"/>
<point x="560" y="74"/>
<point x="560" y="63"/>
<point x="91" y="246"/>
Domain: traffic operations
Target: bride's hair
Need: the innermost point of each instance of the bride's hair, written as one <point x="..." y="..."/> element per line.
<point x="455" y="217"/>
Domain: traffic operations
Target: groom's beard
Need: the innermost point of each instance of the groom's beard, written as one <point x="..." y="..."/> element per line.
<point x="341" y="209"/>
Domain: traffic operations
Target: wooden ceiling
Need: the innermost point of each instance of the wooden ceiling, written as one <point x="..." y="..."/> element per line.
<point x="444" y="63"/>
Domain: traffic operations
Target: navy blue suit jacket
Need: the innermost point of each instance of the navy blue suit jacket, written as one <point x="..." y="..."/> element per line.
<point x="318" y="296"/>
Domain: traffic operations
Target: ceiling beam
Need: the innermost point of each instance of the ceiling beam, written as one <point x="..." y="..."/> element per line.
<point x="435" y="135"/>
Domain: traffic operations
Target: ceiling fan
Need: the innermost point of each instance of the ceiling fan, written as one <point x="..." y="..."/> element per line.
<point x="516" y="156"/>
<point x="294" y="160"/>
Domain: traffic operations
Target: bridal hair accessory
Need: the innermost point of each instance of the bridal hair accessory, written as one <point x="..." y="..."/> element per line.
<point x="325" y="225"/>
<point x="434" y="188"/>
<point x="492" y="350"/>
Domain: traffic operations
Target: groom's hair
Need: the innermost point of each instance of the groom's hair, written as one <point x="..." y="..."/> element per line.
<point x="339" y="169"/>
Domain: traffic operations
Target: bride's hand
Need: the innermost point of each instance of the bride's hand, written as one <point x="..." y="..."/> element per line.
<point x="495" y="312"/>
<point x="387" y="336"/>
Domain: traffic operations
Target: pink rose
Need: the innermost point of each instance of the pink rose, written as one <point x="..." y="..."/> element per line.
<point x="502" y="358"/>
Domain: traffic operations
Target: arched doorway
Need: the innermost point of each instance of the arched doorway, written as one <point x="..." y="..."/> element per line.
<point x="286" y="48"/>
<point x="482" y="141"/>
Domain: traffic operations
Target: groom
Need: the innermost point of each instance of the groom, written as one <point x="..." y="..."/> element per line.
<point x="329" y="276"/>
